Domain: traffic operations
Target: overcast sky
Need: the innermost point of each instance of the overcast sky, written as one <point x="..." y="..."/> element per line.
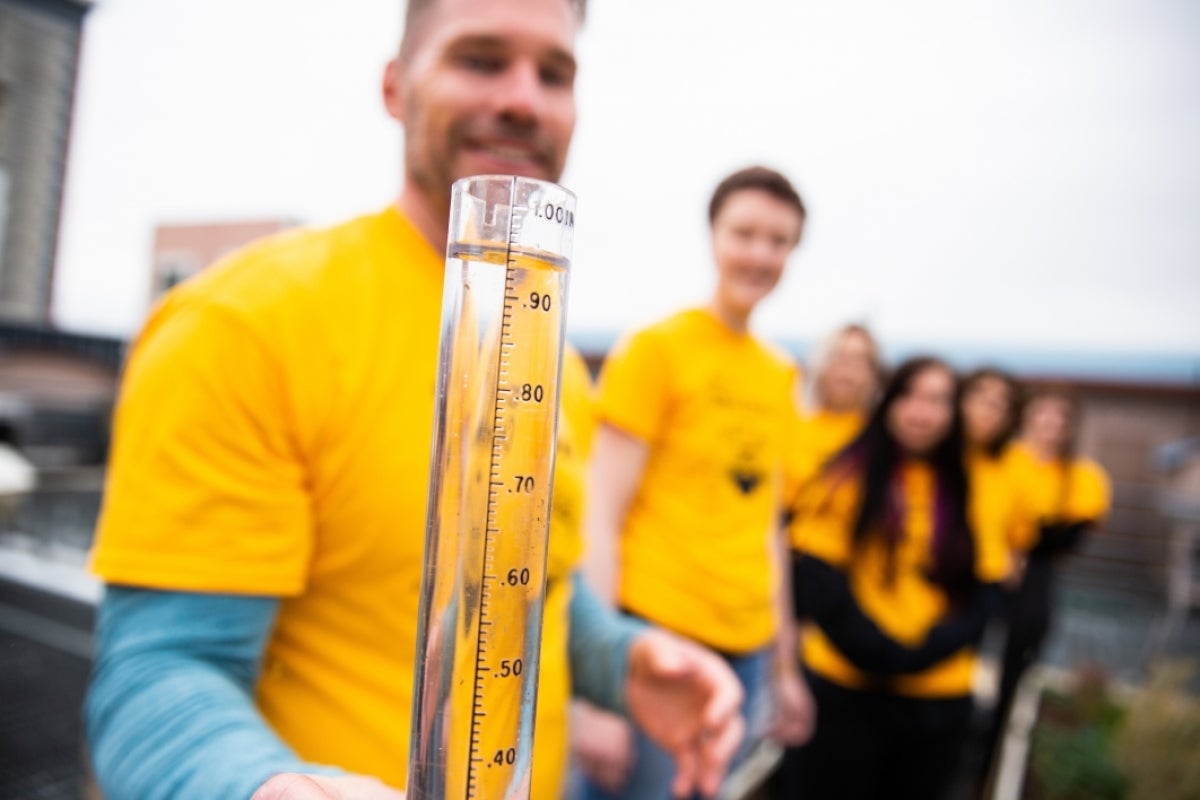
<point x="998" y="173"/>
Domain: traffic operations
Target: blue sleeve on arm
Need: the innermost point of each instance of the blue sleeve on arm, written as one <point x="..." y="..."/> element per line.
<point x="599" y="640"/>
<point x="170" y="711"/>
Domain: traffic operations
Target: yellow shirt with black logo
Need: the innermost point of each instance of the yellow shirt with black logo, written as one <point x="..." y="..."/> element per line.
<point x="273" y="438"/>
<point x="714" y="407"/>
<point x="1054" y="491"/>
<point x="903" y="602"/>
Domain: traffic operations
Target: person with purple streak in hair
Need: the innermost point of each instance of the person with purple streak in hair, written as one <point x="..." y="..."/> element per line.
<point x="897" y="565"/>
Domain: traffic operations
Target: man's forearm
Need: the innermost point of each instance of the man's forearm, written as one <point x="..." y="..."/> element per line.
<point x="598" y="646"/>
<point x="170" y="711"/>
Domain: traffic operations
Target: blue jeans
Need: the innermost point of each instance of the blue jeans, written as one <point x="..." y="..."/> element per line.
<point x="653" y="768"/>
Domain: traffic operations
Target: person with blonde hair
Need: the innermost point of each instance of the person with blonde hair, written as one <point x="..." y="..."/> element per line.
<point x="845" y="373"/>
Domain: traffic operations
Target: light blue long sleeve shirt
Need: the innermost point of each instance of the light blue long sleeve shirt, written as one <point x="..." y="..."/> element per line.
<point x="170" y="711"/>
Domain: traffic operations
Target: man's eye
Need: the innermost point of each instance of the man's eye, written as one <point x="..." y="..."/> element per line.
<point x="481" y="63"/>
<point x="555" y="76"/>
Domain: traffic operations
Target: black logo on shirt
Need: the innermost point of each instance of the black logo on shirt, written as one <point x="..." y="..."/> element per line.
<point x="746" y="481"/>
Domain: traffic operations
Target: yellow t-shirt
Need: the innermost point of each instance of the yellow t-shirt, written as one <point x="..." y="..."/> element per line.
<point x="273" y="438"/>
<point x="994" y="478"/>
<point x="818" y="436"/>
<point x="908" y="605"/>
<point x="1054" y="491"/>
<point x="713" y="406"/>
<point x="578" y="404"/>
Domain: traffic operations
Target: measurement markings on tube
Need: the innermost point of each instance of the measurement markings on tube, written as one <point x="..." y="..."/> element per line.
<point x="523" y="393"/>
<point x="504" y="400"/>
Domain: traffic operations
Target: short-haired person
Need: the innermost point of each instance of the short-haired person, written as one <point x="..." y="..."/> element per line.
<point x="686" y="472"/>
<point x="263" y="524"/>
<point x="897" y="568"/>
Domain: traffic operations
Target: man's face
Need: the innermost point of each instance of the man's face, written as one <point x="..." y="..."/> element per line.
<point x="486" y="87"/>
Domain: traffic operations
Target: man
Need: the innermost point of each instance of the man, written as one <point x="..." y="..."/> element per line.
<point x="262" y="530"/>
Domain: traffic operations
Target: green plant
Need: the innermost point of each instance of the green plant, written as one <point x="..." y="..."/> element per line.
<point x="1073" y="743"/>
<point x="1076" y="765"/>
<point x="1159" y="745"/>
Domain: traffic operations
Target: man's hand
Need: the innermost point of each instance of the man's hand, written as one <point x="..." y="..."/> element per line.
<point x="794" y="716"/>
<point x="687" y="701"/>
<point x="603" y="744"/>
<point x="292" y="786"/>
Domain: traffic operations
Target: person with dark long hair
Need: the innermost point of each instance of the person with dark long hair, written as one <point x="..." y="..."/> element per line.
<point x="896" y="571"/>
<point x="990" y="401"/>
<point x="1062" y="497"/>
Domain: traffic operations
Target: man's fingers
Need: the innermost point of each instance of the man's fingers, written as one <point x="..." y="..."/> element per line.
<point x="685" y="781"/>
<point x="716" y="751"/>
<point x="726" y="696"/>
<point x="292" y="786"/>
<point x="688" y="701"/>
<point x="702" y="764"/>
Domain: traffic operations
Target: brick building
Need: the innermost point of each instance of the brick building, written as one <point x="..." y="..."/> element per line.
<point x="182" y="250"/>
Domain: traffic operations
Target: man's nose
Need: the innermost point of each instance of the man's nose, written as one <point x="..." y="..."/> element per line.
<point x="521" y="95"/>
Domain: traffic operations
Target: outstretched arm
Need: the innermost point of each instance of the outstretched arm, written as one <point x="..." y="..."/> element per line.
<point x="683" y="697"/>
<point x="170" y="711"/>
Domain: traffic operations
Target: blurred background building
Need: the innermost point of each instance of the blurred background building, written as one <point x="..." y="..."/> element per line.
<point x="181" y="250"/>
<point x="57" y="391"/>
<point x="39" y="59"/>
<point x="53" y="392"/>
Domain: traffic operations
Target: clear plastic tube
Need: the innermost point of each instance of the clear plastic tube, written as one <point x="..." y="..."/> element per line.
<point x="482" y="592"/>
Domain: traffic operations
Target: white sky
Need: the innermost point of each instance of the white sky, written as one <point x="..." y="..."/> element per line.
<point x="998" y="172"/>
